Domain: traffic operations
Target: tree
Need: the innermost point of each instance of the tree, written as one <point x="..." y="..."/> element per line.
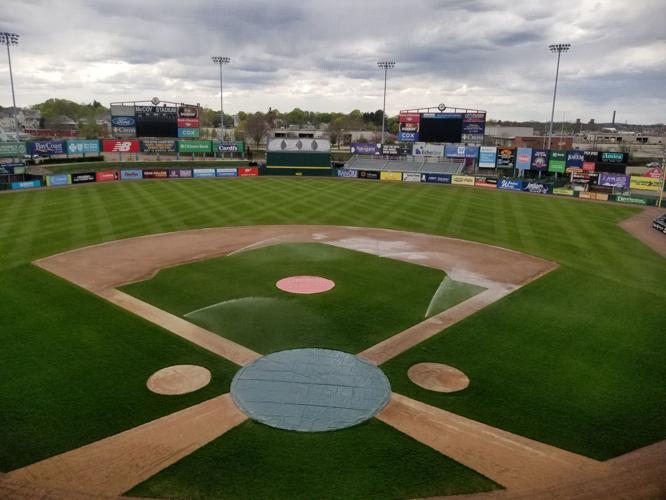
<point x="256" y="127"/>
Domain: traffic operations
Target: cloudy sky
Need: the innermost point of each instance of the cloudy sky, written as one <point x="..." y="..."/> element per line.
<point x="321" y="55"/>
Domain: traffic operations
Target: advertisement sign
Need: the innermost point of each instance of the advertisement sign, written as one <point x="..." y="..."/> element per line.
<point x="590" y="161"/>
<point x="524" y="158"/>
<point x="179" y="172"/>
<point x="121" y="110"/>
<point x="454" y="151"/>
<point x="248" y="171"/>
<point x="474" y="123"/>
<point x="195" y="146"/>
<point x="408" y="136"/>
<point x="506" y="157"/>
<point x="131" y="175"/>
<point x="120" y="146"/>
<point x="368" y="174"/>
<point x="155" y="174"/>
<point x="539" y="159"/>
<point x="537" y="187"/>
<point x="158" y="145"/>
<point x="391" y="150"/>
<point x="58" y="180"/>
<point x="410" y="117"/>
<point x="26" y="184"/>
<point x="83" y="177"/>
<point x="12" y="168"/>
<point x="427" y="149"/>
<point x="9" y="149"/>
<point x="613" y="157"/>
<point x="628" y="199"/>
<point x="107" y="176"/>
<point x="203" y="172"/>
<point x="485" y="182"/>
<point x="48" y="147"/>
<point x="645" y="183"/>
<point x="411" y="177"/>
<point x="390" y="176"/>
<point x="359" y="148"/>
<point x="654" y="172"/>
<point x="557" y="161"/>
<point x="574" y="161"/>
<point x="188" y="122"/>
<point x="225" y="172"/>
<point x="462" y="180"/>
<point x="231" y="147"/>
<point x="347" y="172"/>
<point x="303" y="145"/>
<point x="122" y="131"/>
<point x="487" y="157"/>
<point x="123" y="121"/>
<point x="436" y="178"/>
<point x="563" y="191"/>
<point x="510" y="184"/>
<point x="83" y="147"/>
<point x="188" y="132"/>
<point x="614" y="180"/>
<point x="188" y="111"/>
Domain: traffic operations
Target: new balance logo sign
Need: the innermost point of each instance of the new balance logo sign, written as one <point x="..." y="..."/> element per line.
<point x="122" y="147"/>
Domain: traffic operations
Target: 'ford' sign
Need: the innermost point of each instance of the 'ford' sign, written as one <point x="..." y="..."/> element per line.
<point x="123" y="121"/>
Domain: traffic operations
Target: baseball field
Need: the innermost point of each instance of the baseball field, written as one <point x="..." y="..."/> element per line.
<point x="571" y="359"/>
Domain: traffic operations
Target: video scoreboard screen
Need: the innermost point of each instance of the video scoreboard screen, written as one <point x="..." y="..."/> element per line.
<point x="443" y="127"/>
<point x="156" y="121"/>
<point x="440" y="127"/>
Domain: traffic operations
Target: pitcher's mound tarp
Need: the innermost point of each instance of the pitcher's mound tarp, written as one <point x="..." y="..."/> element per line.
<point x="310" y="390"/>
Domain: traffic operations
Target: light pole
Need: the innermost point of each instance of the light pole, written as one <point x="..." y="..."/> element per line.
<point x="221" y="61"/>
<point x="559" y="48"/>
<point x="11" y="39"/>
<point x="385" y="65"/>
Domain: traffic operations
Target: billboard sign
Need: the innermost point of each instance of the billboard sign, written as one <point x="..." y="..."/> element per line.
<point x="506" y="157"/>
<point x="158" y="145"/>
<point x="248" y="171"/>
<point x="133" y="174"/>
<point x="188" y="111"/>
<point x="121" y="131"/>
<point x="645" y="183"/>
<point x="411" y="177"/>
<point x="179" y="173"/>
<point x="487" y="157"/>
<point x="83" y="147"/>
<point x="194" y="146"/>
<point x="426" y="149"/>
<point x="48" y="147"/>
<point x="302" y="145"/>
<point x="485" y="182"/>
<point x="408" y="129"/>
<point x="454" y="151"/>
<point x="188" y="132"/>
<point x="231" y="147"/>
<point x="9" y="149"/>
<point x="537" y="187"/>
<point x="347" y="172"/>
<point x="26" y="184"/>
<point x="613" y="157"/>
<point x="408" y="136"/>
<point x="614" y="180"/>
<point x="58" y="180"/>
<point x="203" y="172"/>
<point x="106" y="176"/>
<point x="359" y="148"/>
<point x="462" y="180"/>
<point x="557" y="161"/>
<point x="391" y="150"/>
<point x="120" y="146"/>
<point x="510" y="184"/>
<point x="390" y="176"/>
<point x="368" y="174"/>
<point x="474" y="124"/>
<point x="225" y="172"/>
<point x="123" y="121"/>
<point x="155" y="174"/>
<point x="524" y="158"/>
<point x="574" y="161"/>
<point x="188" y="123"/>
<point x="436" y="178"/>
<point x="590" y="160"/>
<point x="121" y="110"/>
<point x="84" y="177"/>
<point x="539" y="159"/>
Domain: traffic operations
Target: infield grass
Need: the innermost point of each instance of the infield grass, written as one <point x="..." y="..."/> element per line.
<point x="575" y="359"/>
<point x="236" y="297"/>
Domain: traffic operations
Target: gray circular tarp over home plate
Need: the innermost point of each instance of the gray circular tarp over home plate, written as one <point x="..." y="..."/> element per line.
<point x="310" y="390"/>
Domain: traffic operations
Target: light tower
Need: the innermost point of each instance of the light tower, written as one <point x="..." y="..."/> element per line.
<point x="559" y="48"/>
<point x="385" y="65"/>
<point x="11" y="39"/>
<point x="221" y="61"/>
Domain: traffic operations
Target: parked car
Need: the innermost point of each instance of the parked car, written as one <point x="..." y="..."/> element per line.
<point x="660" y="223"/>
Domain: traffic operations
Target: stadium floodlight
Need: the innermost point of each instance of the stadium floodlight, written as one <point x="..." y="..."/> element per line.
<point x="11" y="39"/>
<point x="221" y="61"/>
<point x="559" y="48"/>
<point x="385" y="65"/>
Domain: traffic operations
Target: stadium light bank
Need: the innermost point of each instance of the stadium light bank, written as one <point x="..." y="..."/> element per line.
<point x="556" y="48"/>
<point x="385" y="65"/>
<point x="11" y="39"/>
<point x="221" y="61"/>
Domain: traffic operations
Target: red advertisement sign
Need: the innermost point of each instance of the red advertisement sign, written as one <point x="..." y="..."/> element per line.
<point x="120" y="146"/>
<point x="589" y="166"/>
<point x="410" y="118"/>
<point x="106" y="176"/>
<point x="188" y="123"/>
<point x="155" y="174"/>
<point x="248" y="172"/>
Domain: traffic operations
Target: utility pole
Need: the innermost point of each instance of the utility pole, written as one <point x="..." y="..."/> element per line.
<point x="385" y="65"/>
<point x="559" y="48"/>
<point x="12" y="39"/>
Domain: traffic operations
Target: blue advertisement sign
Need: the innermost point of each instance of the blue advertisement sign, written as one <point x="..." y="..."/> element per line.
<point x="537" y="187"/>
<point x="83" y="147"/>
<point x="26" y="184"/>
<point x="360" y="148"/>
<point x="454" y="151"/>
<point x="474" y="123"/>
<point x="510" y="184"/>
<point x="48" y="147"/>
<point x="188" y="132"/>
<point x="436" y="178"/>
<point x="347" y="172"/>
<point x="408" y="136"/>
<point x="57" y="180"/>
<point x="443" y="116"/>
<point x="487" y="156"/>
<point x="574" y="160"/>
<point x="131" y="175"/>
<point x="524" y="158"/>
<point x="471" y="151"/>
<point x="123" y="121"/>
<point x="203" y="172"/>
<point x="226" y="172"/>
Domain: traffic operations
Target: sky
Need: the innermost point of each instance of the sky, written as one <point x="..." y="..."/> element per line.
<point x="322" y="55"/>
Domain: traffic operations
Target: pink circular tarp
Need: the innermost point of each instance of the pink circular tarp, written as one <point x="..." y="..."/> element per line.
<point x="305" y="284"/>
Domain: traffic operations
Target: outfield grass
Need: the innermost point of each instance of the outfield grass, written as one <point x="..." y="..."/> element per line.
<point x="574" y="359"/>
<point x="236" y="297"/>
<point x="371" y="460"/>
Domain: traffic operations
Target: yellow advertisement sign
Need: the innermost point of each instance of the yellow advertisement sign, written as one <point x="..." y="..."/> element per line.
<point x="390" y="176"/>
<point x="462" y="180"/>
<point x="645" y="183"/>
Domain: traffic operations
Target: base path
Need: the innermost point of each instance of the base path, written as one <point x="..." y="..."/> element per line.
<point x="116" y="464"/>
<point x="640" y="226"/>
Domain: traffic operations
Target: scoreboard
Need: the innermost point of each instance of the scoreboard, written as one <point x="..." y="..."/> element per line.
<point x="155" y="119"/>
<point x="436" y="125"/>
